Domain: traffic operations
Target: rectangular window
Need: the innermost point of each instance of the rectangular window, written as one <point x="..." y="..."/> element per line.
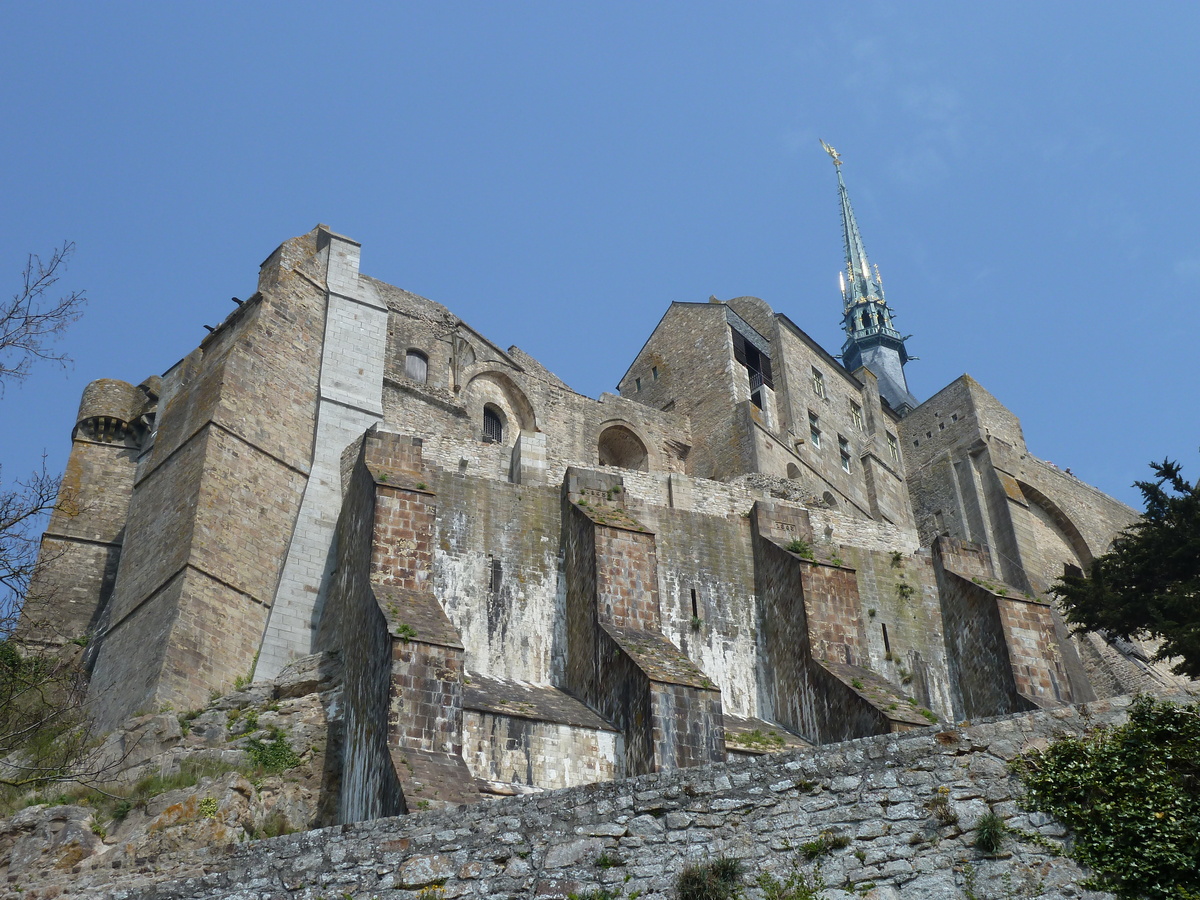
<point x="758" y="366"/>
<point x="495" y="575"/>
<point x="814" y="429"/>
<point x="637" y="384"/>
<point x="416" y="366"/>
<point x="856" y="415"/>
<point x="818" y="384"/>
<point x="894" y="448"/>
<point x="654" y="372"/>
<point x="844" y="452"/>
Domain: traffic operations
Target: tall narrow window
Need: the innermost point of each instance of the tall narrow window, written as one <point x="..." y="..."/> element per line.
<point x="493" y="425"/>
<point x="814" y="429"/>
<point x="654" y="372"/>
<point x="894" y="447"/>
<point x="856" y="415"/>
<point x="844" y="452"/>
<point x="637" y="384"/>
<point x="495" y="575"/>
<point x="818" y="383"/>
<point x="416" y="365"/>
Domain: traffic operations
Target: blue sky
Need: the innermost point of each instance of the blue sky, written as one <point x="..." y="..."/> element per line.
<point x="1024" y="175"/>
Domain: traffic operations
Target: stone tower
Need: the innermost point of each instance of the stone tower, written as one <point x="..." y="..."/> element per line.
<point x="871" y="338"/>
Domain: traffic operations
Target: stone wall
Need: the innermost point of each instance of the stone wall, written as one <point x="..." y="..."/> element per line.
<point x="692" y="350"/>
<point x="348" y="402"/>
<point x="354" y="619"/>
<point x="216" y="494"/>
<point x="885" y="817"/>
<point x="980" y="674"/>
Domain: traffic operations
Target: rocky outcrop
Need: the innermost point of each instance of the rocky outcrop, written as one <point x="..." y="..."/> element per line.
<point x="259" y="762"/>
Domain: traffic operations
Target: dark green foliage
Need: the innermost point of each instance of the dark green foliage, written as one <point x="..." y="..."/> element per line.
<point x="990" y="832"/>
<point x="1149" y="582"/>
<point x="716" y="880"/>
<point x="273" y="756"/>
<point x="1131" y="794"/>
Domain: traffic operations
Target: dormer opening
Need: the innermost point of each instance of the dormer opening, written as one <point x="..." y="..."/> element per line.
<point x="757" y="363"/>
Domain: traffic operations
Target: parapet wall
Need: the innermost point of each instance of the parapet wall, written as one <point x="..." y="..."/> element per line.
<point x="906" y="805"/>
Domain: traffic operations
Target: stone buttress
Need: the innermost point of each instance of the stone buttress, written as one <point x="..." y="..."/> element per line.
<point x="618" y="661"/>
<point x="403" y="657"/>
<point x="813" y="659"/>
<point x="214" y="500"/>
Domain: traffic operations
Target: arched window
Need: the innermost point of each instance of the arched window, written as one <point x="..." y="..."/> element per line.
<point x="793" y="470"/>
<point x="416" y="365"/>
<point x="493" y="425"/>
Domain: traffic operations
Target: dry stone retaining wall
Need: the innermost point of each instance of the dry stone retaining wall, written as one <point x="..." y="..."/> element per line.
<point x="906" y="804"/>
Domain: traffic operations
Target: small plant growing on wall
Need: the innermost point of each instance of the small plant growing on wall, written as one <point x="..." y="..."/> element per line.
<point x="716" y="880"/>
<point x="697" y="623"/>
<point x="939" y="805"/>
<point x="800" y="548"/>
<point x="990" y="832"/>
<point x="797" y="885"/>
<point x="825" y="843"/>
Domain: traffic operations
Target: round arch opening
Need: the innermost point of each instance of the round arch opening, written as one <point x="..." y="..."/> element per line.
<point x="619" y="446"/>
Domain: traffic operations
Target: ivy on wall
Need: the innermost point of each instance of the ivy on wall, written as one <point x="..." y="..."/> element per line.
<point x="1131" y="796"/>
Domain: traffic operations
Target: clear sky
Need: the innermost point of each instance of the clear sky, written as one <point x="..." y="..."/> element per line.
<point x="1025" y="176"/>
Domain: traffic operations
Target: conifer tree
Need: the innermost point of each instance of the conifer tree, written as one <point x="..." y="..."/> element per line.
<point x="1148" y="584"/>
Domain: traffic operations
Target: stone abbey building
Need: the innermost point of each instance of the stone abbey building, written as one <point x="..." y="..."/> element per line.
<point x="752" y="546"/>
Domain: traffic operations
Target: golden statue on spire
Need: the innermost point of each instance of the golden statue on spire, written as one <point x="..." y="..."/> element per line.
<point x="837" y="157"/>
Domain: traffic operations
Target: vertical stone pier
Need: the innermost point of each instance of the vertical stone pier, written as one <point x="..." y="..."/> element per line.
<point x="619" y="662"/>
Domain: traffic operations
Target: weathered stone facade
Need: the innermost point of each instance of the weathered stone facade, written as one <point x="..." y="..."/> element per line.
<point x="745" y="551"/>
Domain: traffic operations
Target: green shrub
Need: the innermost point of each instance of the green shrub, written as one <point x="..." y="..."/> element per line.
<point x="1131" y="795"/>
<point x="274" y="755"/>
<point x="796" y="886"/>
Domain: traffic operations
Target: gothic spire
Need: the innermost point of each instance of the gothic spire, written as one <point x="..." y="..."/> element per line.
<point x="871" y="338"/>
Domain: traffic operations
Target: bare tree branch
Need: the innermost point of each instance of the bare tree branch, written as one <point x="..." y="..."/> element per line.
<point x="45" y="733"/>
<point x="34" y="319"/>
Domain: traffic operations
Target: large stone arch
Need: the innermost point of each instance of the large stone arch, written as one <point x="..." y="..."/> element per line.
<point x="497" y="389"/>
<point x="1059" y="540"/>
<point x="620" y="445"/>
